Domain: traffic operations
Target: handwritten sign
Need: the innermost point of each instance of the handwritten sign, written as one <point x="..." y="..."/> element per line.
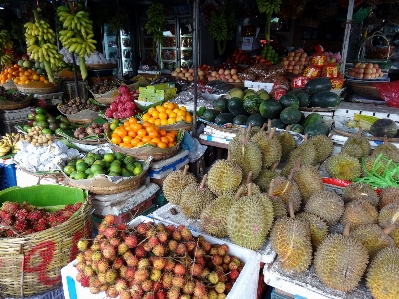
<point x="247" y="43"/>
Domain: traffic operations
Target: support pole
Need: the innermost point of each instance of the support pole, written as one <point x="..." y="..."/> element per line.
<point x="195" y="64"/>
<point x="348" y="27"/>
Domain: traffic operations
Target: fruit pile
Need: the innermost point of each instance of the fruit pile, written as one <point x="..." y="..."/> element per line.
<point x="239" y="57"/>
<point x="8" y="143"/>
<point x="22" y="75"/>
<point x="36" y="137"/>
<point x="112" y="164"/>
<point x="6" y="44"/>
<point x="11" y="96"/>
<point x="20" y="219"/>
<point x="123" y="106"/>
<point x="75" y="105"/>
<point x="133" y="134"/>
<point x="93" y="129"/>
<point x="167" y="114"/>
<point x="296" y="61"/>
<point x="155" y="261"/>
<point x="366" y="71"/>
<point x="39" y="117"/>
<point x="269" y="53"/>
<point x="102" y="86"/>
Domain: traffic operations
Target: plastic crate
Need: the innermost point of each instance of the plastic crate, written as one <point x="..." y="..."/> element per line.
<point x="244" y="287"/>
<point x="19" y="114"/>
<point x="8" y="176"/>
<point x="50" y="99"/>
<point x="54" y="294"/>
<point x="279" y="295"/>
<point x="160" y="169"/>
<point x="68" y="87"/>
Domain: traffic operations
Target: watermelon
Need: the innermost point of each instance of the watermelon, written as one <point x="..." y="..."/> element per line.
<point x="252" y="103"/>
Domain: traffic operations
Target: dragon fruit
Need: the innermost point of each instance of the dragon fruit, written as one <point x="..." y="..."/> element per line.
<point x="123" y="106"/>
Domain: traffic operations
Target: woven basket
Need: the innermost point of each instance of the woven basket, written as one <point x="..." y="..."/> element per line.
<point x="181" y="125"/>
<point x="105" y="98"/>
<point x="38" y="88"/>
<point x="147" y="151"/>
<point x="9" y="85"/>
<point x="31" y="264"/>
<point x="8" y="105"/>
<point x="102" y="185"/>
<point x="366" y="91"/>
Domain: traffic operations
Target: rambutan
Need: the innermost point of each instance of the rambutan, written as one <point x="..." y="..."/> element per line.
<point x="84" y="281"/>
<point x="112" y="292"/>
<point x="217" y="260"/>
<point x="120" y="284"/>
<point x="159" y="250"/>
<point x="10" y="207"/>
<point x="153" y="241"/>
<point x="170" y="228"/>
<point x="110" y="276"/>
<point x="233" y="266"/>
<point x="122" y="248"/>
<point x="147" y="285"/>
<point x="160" y="227"/>
<point x="109" y="220"/>
<point x="96" y="256"/>
<point x="212" y="294"/>
<point x="142" y="228"/>
<point x="180" y="227"/>
<point x="222" y="276"/>
<point x="151" y="232"/>
<point x="20" y="225"/>
<point x="140" y="275"/>
<point x="147" y="247"/>
<point x="220" y="287"/>
<point x="213" y="277"/>
<point x="176" y="235"/>
<point x="159" y="263"/>
<point x="178" y="281"/>
<point x="132" y="261"/>
<point x="131" y="241"/>
<point x="233" y="274"/>
<point x="88" y="253"/>
<point x="143" y="263"/>
<point x="148" y="295"/>
<point x="196" y="269"/>
<point x="157" y="286"/>
<point x="129" y="273"/>
<point x="162" y="236"/>
<point x="228" y="286"/>
<point x="226" y="259"/>
<point x="110" y="232"/>
<point x="167" y="280"/>
<point x="136" y="291"/>
<point x="160" y="295"/>
<point x="172" y="245"/>
<point x="118" y="263"/>
<point x="188" y="287"/>
<point x="101" y="278"/>
<point x="200" y="260"/>
<point x="199" y="289"/>
<point x="39" y="227"/>
<point x="104" y="287"/>
<point x="191" y="245"/>
<point x="187" y="296"/>
<point x="21" y="214"/>
<point x="155" y="274"/>
<point x="139" y="251"/>
<point x="101" y="228"/>
<point x="205" y="272"/>
<point x="83" y="244"/>
<point x="121" y="227"/>
<point x="34" y="215"/>
<point x="186" y="234"/>
<point x="124" y="294"/>
<point x="80" y="266"/>
<point x="179" y="269"/>
<point x="80" y="257"/>
<point x="181" y="249"/>
<point x="222" y="251"/>
<point x="169" y="264"/>
<point x="115" y="241"/>
<point x="94" y="282"/>
<point x="213" y="250"/>
<point x="109" y="252"/>
<point x="173" y="293"/>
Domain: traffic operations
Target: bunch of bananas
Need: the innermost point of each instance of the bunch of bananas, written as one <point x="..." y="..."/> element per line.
<point x="5" y="48"/>
<point x="78" y="31"/>
<point x="9" y="143"/>
<point x="156" y="21"/>
<point x="269" y="6"/>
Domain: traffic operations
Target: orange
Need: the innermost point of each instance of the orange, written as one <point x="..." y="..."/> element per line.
<point x="150" y="128"/>
<point x="162" y="115"/>
<point x="155" y="114"/>
<point x="142" y="132"/>
<point x="157" y="122"/>
<point x="162" y="145"/>
<point x="171" y="120"/>
<point x="170" y="138"/>
<point x="180" y="118"/>
<point x="146" y="139"/>
<point x="16" y="80"/>
<point x="27" y="81"/>
<point x="127" y="128"/>
<point x="172" y="115"/>
<point x="171" y="106"/>
<point x="121" y="131"/>
<point x="165" y="105"/>
<point x="23" y="78"/>
<point x="27" y="73"/>
<point x="162" y="133"/>
<point x="139" y="144"/>
<point x="127" y="139"/>
<point x="151" y="120"/>
<point x="126" y="123"/>
<point x="146" y="124"/>
<point x="152" y="143"/>
<point x="151" y="110"/>
<point x="181" y="113"/>
<point x="189" y="118"/>
<point x="156" y="140"/>
<point x="173" y="132"/>
<point x="115" y="139"/>
<point x="136" y="127"/>
<point x="146" y="117"/>
<point x="134" y="141"/>
<point x="35" y="77"/>
<point x="161" y="109"/>
<point x="182" y="108"/>
<point x="133" y="120"/>
<point x="42" y="78"/>
<point x="176" y="110"/>
<point x="122" y="144"/>
<point x="132" y="133"/>
<point x="165" y="139"/>
<point x="128" y="145"/>
<point x="171" y="144"/>
<point x="164" y="122"/>
<point x="46" y="81"/>
<point x="188" y="113"/>
<point x="9" y="76"/>
<point x="168" y="111"/>
<point x="153" y="134"/>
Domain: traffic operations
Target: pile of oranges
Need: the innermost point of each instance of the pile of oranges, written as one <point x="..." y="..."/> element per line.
<point x="20" y="75"/>
<point x="133" y="134"/>
<point x="167" y="114"/>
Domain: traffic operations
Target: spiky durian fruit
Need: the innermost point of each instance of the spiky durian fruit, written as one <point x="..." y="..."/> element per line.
<point x="290" y="238"/>
<point x="288" y="191"/>
<point x="383" y="274"/>
<point x="344" y="167"/>
<point x="249" y="221"/>
<point x="249" y="132"/>
<point x="270" y="147"/>
<point x="175" y="182"/>
<point x="323" y="145"/>
<point x="318" y="227"/>
<point x="357" y="147"/>
<point x="373" y="237"/>
<point x="340" y="262"/>
<point x="194" y="198"/>
<point x="213" y="219"/>
<point x="306" y="151"/>
<point x="359" y="212"/>
<point x="360" y="191"/>
<point x="327" y="205"/>
<point x="390" y="151"/>
<point x="255" y="188"/>
<point x="224" y="176"/>
<point x="247" y="155"/>
<point x="388" y="217"/>
<point x="279" y="206"/>
<point x="265" y="177"/>
<point x="389" y="195"/>
<point x="309" y="181"/>
<point x="287" y="142"/>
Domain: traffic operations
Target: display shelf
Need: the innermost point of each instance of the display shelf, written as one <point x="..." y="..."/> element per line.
<point x="186" y="48"/>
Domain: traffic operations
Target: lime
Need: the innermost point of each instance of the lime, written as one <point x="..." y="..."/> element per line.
<point x="130" y="167"/>
<point x="117" y="162"/>
<point x="35" y="123"/>
<point x="73" y="174"/>
<point x="69" y="169"/>
<point x="115" y="168"/>
<point x="138" y="164"/>
<point x="128" y="160"/>
<point x="90" y="160"/>
<point x="100" y="162"/>
<point x="113" y="126"/>
<point x="90" y="155"/>
<point x="113" y="173"/>
<point x="119" y="156"/>
<point x="80" y="175"/>
<point x="137" y="171"/>
<point x="99" y="172"/>
<point x="78" y="161"/>
<point x="89" y="176"/>
<point x="115" y="121"/>
<point x="106" y="164"/>
<point x="126" y="173"/>
<point x="88" y="171"/>
<point x="98" y="157"/>
<point x="40" y="110"/>
<point x="109" y="157"/>
<point x="43" y="124"/>
<point x="40" y="117"/>
<point x="31" y="116"/>
<point x="47" y="131"/>
<point x="96" y="167"/>
<point x="72" y="163"/>
<point x="26" y="128"/>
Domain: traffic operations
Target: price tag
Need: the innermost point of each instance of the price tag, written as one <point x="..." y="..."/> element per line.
<point x="247" y="43"/>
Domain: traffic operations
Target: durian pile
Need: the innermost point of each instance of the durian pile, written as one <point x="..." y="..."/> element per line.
<point x="245" y="199"/>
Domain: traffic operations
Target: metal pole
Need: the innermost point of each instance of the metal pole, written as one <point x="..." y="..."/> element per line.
<point x="348" y="27"/>
<point x="195" y="63"/>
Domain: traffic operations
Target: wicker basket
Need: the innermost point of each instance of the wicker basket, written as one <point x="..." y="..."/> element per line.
<point x="8" y="105"/>
<point x="100" y="184"/>
<point x="38" y="88"/>
<point x="181" y="125"/>
<point x="31" y="264"/>
<point x="9" y="85"/>
<point x="83" y="117"/>
<point x="147" y="151"/>
<point x="105" y="98"/>
<point x="366" y="91"/>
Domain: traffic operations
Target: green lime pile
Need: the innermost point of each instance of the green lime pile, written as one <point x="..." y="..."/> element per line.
<point x="39" y="117"/>
<point x="269" y="53"/>
<point x="112" y="164"/>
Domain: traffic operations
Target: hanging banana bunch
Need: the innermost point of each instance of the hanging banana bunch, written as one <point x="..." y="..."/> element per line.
<point x="40" y="42"/>
<point x="156" y="22"/>
<point x="77" y="34"/>
<point x="222" y="25"/>
<point x="269" y="7"/>
<point x="6" y="44"/>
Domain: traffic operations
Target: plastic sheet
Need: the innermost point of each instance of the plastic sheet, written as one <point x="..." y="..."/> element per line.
<point x="194" y="147"/>
<point x="186" y="98"/>
<point x="389" y="92"/>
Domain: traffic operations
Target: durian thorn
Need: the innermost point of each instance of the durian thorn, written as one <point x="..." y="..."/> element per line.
<point x="269" y="125"/>
<point x="359" y="133"/>
<point x="249" y="177"/>
<point x="202" y="185"/>
<point x="249" y="186"/>
<point x="228" y="155"/>
<point x="395" y="217"/>
<point x="238" y="193"/>
<point x="263" y="127"/>
<point x="390" y="228"/>
<point x="273" y="131"/>
<point x="296" y="167"/>
<point x="306" y="137"/>
<point x="249" y="128"/>
<point x="287" y="183"/>
<point x="185" y="170"/>
<point x="243" y="150"/>
<point x="274" y="166"/>
<point x="347" y="230"/>
<point x="291" y="210"/>
<point x="271" y="189"/>
<point x="385" y="139"/>
<point x="244" y="137"/>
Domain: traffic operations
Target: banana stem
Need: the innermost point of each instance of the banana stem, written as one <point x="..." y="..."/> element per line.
<point x="221" y="46"/>
<point x="83" y="69"/>
<point x="49" y="71"/>
<point x="268" y="25"/>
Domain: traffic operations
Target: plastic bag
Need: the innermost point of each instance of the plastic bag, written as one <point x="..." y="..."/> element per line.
<point x="195" y="148"/>
<point x="389" y="92"/>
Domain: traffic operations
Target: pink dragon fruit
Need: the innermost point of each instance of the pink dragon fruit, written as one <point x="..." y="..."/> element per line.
<point x="123" y="90"/>
<point x="113" y="106"/>
<point x="109" y="113"/>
